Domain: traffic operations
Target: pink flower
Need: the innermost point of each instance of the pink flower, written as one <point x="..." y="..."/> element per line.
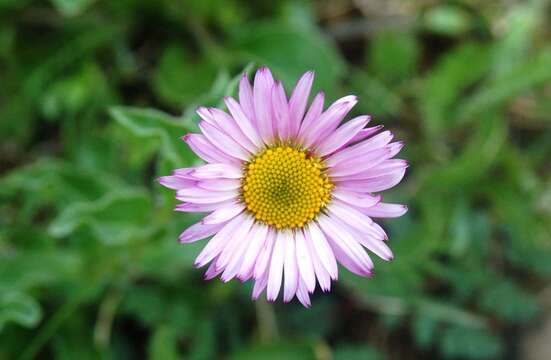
<point x="290" y="192"/>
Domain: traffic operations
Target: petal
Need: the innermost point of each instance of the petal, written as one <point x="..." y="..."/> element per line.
<point x="290" y="269"/>
<point x="224" y="214"/>
<point x="262" y="96"/>
<point x="199" y="231"/>
<point x="258" y="236"/>
<point x="205" y="115"/>
<point x="298" y="101"/>
<point x="340" y="238"/>
<point x="312" y="116"/>
<point x="176" y="182"/>
<point x="206" y="151"/>
<point x="223" y="142"/>
<point x="329" y="120"/>
<point x="219" y="184"/>
<point x="236" y="259"/>
<point x="190" y="207"/>
<point x="243" y="121"/>
<point x="276" y="265"/>
<point x="359" y="163"/>
<point x="217" y="171"/>
<point x="238" y="237"/>
<point x="341" y="136"/>
<point x="201" y="196"/>
<point x="364" y="133"/>
<point x="375" y="184"/>
<point x="386" y="167"/>
<point x="386" y="210"/>
<point x="304" y="262"/>
<point x="321" y="272"/>
<point x="354" y="217"/>
<point x="212" y="272"/>
<point x="360" y="149"/>
<point x="246" y="98"/>
<point x="261" y="265"/>
<point x="280" y="110"/>
<point x="325" y="254"/>
<point x="229" y="126"/>
<point x="259" y="286"/>
<point x="355" y="199"/>
<point x="216" y="244"/>
<point x="302" y="294"/>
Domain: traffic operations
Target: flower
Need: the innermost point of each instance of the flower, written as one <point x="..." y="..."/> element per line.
<point x="290" y="193"/>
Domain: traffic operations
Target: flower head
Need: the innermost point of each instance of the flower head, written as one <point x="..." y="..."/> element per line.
<point x="290" y="193"/>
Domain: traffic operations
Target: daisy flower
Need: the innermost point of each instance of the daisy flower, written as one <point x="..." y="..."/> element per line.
<point x="290" y="192"/>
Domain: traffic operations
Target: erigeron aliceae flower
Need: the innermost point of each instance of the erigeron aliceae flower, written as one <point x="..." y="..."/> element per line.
<point x="290" y="192"/>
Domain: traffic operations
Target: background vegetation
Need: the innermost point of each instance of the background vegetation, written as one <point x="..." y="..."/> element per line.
<point x="89" y="262"/>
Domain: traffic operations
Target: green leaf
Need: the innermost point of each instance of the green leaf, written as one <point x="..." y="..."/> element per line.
<point x="289" y="52"/>
<point x="444" y="84"/>
<point x="19" y="308"/>
<point x="352" y="352"/>
<point x="470" y="343"/>
<point x="71" y="7"/>
<point x="176" y="77"/>
<point x="401" y="47"/>
<point x="165" y="129"/>
<point x="164" y="344"/>
<point x="448" y="20"/>
<point x="116" y="218"/>
<point x="519" y="307"/>
<point x="527" y="75"/>
<point x="275" y="351"/>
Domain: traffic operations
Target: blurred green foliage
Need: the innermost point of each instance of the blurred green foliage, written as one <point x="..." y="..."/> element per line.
<point x="89" y="262"/>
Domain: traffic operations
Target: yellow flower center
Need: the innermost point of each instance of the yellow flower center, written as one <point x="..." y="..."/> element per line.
<point x="285" y="187"/>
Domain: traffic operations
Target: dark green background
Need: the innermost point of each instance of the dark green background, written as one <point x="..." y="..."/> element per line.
<point x="90" y="266"/>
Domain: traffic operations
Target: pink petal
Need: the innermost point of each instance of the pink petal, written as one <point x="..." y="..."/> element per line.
<point x="212" y="272"/>
<point x="258" y="236"/>
<point x="302" y="294"/>
<point x="304" y="262"/>
<point x="229" y="126"/>
<point x="386" y="167"/>
<point x="362" y="148"/>
<point x="201" y="196"/>
<point x="217" y="171"/>
<point x="219" y="184"/>
<point x="276" y="266"/>
<point x="280" y="110"/>
<point x="312" y="116"/>
<point x="206" y="151"/>
<point x="199" y="231"/>
<point x="290" y="270"/>
<point x="359" y="163"/>
<point x="321" y="272"/>
<point x="261" y="265"/>
<point x="236" y="259"/>
<point x="329" y="120"/>
<point x="375" y="184"/>
<point x="341" y="136"/>
<point x="259" y="286"/>
<point x="298" y="101"/>
<point x="341" y="239"/>
<point x="224" y="214"/>
<point x="176" y="182"/>
<point x="243" y="121"/>
<point x="364" y="133"/>
<point x="327" y="258"/>
<point x="262" y="90"/>
<point x="205" y="115"/>
<point x="238" y="237"/>
<point x="224" y="142"/>
<point x="246" y="99"/>
<point x="355" y="199"/>
<point x="354" y="217"/>
<point x="386" y="210"/>
<point x="216" y="244"/>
